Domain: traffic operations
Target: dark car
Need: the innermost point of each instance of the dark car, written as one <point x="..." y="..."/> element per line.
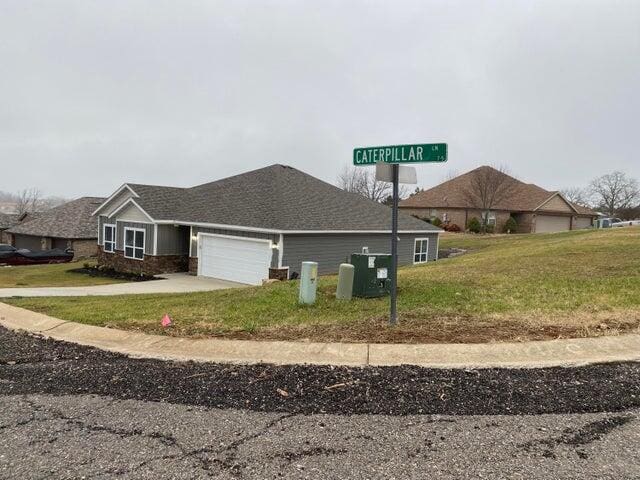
<point x="10" y="255"/>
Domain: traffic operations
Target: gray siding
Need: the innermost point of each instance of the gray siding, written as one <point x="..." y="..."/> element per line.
<point x="236" y="233"/>
<point x="102" y="219"/>
<point x="173" y="240"/>
<point x="330" y="250"/>
<point x="148" y="237"/>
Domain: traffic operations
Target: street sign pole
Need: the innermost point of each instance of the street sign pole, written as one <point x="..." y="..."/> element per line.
<point x="393" y="155"/>
<point x="393" y="317"/>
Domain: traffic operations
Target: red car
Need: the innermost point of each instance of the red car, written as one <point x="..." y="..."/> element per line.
<point x="10" y="255"/>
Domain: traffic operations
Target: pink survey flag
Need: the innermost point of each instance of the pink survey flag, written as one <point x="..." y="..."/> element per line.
<point x="166" y="320"/>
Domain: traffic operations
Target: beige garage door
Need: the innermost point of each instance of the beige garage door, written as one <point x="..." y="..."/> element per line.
<point x="552" y="223"/>
<point x="581" y="222"/>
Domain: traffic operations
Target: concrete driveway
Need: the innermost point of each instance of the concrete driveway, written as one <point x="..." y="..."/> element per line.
<point x="170" y="283"/>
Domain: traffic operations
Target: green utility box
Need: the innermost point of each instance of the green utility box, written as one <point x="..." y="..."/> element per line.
<point x="371" y="274"/>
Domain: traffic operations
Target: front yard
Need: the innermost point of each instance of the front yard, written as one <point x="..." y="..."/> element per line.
<point x="56" y="275"/>
<point x="507" y="288"/>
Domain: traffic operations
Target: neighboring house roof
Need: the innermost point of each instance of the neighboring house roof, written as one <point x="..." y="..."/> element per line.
<point x="522" y="197"/>
<point x="70" y="220"/>
<point x="8" y="220"/>
<point x="275" y="198"/>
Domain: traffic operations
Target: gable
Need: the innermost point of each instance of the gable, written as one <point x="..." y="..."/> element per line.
<point x="130" y="213"/>
<point x="115" y="201"/>
<point x="556" y="204"/>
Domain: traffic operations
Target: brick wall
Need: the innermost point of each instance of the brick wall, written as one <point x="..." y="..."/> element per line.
<point x="84" y="248"/>
<point x="193" y="265"/>
<point x="459" y="216"/>
<point x="278" y="273"/>
<point x="151" y="265"/>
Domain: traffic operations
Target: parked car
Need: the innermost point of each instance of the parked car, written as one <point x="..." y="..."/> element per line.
<point x="625" y="223"/>
<point x="10" y="255"/>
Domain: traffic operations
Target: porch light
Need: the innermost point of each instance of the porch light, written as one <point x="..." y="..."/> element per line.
<point x="274" y="246"/>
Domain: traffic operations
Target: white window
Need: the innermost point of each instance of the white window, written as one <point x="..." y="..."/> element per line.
<point x="421" y="250"/>
<point x="490" y="218"/>
<point x="109" y="236"/>
<point x="134" y="243"/>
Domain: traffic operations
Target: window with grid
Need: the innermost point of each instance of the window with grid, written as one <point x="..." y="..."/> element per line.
<point x="109" y="238"/>
<point x="490" y="218"/>
<point x="134" y="243"/>
<point x="420" y="253"/>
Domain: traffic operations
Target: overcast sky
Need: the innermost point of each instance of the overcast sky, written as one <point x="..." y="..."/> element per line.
<point x="97" y="93"/>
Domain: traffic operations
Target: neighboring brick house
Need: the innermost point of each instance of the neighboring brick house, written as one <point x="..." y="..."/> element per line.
<point x="249" y="227"/>
<point x="70" y="225"/>
<point x="7" y="220"/>
<point x="534" y="209"/>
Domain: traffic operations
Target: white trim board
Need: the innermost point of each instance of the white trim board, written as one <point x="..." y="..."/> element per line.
<point x="155" y="239"/>
<point x="222" y="226"/>
<point x="114" y="195"/>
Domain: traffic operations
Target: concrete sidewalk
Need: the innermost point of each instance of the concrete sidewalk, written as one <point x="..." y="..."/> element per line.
<point x="571" y="352"/>
<point x="171" y="283"/>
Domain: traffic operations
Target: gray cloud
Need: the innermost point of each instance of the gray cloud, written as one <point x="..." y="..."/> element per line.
<point x="95" y="93"/>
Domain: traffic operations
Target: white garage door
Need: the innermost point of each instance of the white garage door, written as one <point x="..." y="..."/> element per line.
<point x="237" y="259"/>
<point x="552" y="223"/>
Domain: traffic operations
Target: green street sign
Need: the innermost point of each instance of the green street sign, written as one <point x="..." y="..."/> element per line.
<point x="419" y="153"/>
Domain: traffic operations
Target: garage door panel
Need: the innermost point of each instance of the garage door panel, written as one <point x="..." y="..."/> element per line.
<point x="552" y="223"/>
<point x="582" y="222"/>
<point x="235" y="259"/>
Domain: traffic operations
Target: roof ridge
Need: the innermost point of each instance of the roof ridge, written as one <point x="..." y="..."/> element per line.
<point x="255" y="170"/>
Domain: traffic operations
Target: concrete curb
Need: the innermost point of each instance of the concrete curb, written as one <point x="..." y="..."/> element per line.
<point x="571" y="352"/>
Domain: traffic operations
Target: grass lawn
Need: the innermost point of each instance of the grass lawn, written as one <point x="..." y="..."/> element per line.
<point x="56" y="275"/>
<point x="507" y="288"/>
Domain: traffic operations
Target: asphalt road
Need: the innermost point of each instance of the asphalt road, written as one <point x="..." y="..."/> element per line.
<point x="73" y="412"/>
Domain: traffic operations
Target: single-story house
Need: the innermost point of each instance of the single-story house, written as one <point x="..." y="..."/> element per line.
<point x="7" y="220"/>
<point x="70" y="225"/>
<point x="534" y="209"/>
<point x="250" y="227"/>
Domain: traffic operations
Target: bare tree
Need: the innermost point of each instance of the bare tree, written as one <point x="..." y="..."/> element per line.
<point x="577" y="195"/>
<point x="51" y="202"/>
<point x="27" y="200"/>
<point x="362" y="180"/>
<point x="488" y="186"/>
<point x="615" y="191"/>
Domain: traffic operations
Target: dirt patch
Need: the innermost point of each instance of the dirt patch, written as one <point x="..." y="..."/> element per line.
<point x="444" y="329"/>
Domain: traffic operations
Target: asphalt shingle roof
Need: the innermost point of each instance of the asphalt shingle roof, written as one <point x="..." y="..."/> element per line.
<point x="277" y="197"/>
<point x="69" y="220"/>
<point x="8" y="220"/>
<point x="523" y="197"/>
